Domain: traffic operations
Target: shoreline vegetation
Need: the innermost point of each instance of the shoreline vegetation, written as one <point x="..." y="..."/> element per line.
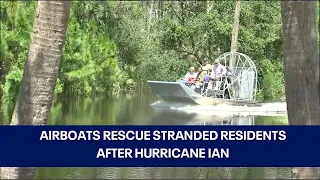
<point x="114" y="47"/>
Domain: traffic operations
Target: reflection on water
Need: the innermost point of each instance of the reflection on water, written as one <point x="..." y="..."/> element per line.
<point x="164" y="173"/>
<point x="137" y="111"/>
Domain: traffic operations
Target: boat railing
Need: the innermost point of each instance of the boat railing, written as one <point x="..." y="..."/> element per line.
<point x="235" y="86"/>
<point x="244" y="85"/>
<point x="211" y="90"/>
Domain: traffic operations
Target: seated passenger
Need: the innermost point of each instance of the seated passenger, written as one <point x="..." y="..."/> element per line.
<point x="189" y="77"/>
<point x="199" y="79"/>
<point x="206" y="66"/>
<point x="200" y="75"/>
<point x="218" y="70"/>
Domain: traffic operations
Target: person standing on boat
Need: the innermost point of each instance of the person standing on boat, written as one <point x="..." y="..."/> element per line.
<point x="218" y="70"/>
<point x="189" y="77"/>
<point x="207" y="67"/>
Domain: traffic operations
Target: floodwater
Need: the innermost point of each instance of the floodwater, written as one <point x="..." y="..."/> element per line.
<point x="137" y="110"/>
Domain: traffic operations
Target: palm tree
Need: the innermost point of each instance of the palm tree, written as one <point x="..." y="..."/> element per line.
<point x="40" y="72"/>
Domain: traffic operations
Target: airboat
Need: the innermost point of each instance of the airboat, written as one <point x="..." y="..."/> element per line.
<point x="237" y="87"/>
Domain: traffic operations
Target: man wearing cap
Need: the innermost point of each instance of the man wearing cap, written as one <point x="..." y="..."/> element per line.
<point x="218" y="70"/>
<point x="206" y="66"/>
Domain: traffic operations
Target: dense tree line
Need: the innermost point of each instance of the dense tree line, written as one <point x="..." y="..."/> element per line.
<point x="136" y="41"/>
<point x="116" y="46"/>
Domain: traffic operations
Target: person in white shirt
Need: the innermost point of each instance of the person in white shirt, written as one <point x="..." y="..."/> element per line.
<point x="218" y="70"/>
<point x="190" y="76"/>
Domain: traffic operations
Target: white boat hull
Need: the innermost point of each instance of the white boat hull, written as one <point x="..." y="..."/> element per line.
<point x="178" y="92"/>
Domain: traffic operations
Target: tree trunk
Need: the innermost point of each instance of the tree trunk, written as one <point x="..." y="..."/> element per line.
<point x="209" y="6"/>
<point x="235" y="32"/>
<point x="160" y="8"/>
<point x="40" y="72"/>
<point x="150" y="16"/>
<point x="301" y="66"/>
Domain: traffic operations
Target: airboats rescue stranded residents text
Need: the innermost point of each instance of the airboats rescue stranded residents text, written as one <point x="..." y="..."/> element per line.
<point x="161" y="136"/>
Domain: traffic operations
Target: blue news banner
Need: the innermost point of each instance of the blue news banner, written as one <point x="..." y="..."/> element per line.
<point x="159" y="146"/>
